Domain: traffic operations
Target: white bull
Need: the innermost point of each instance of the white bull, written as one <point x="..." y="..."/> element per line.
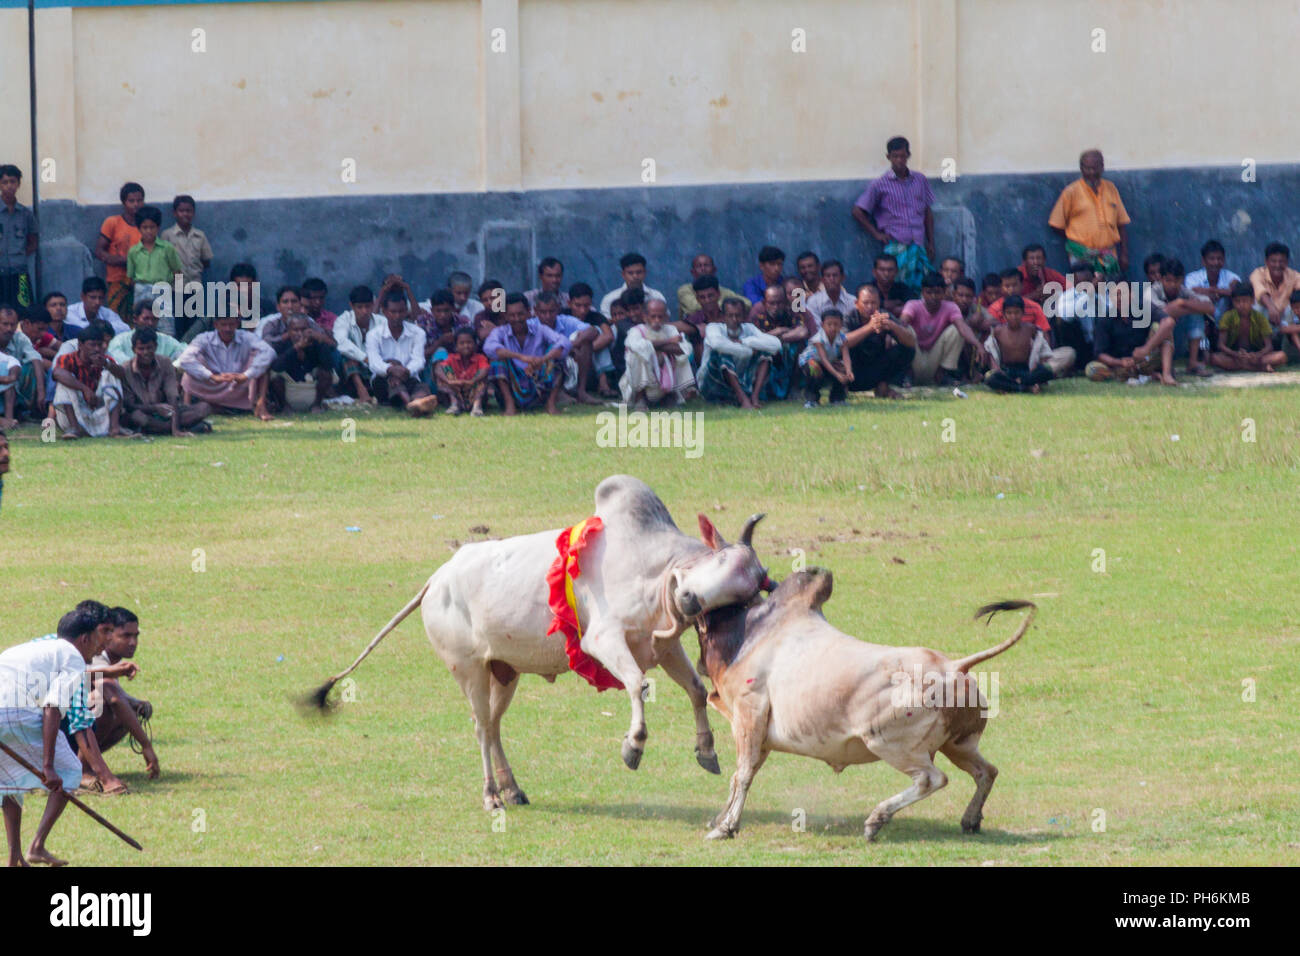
<point x="642" y="583"/>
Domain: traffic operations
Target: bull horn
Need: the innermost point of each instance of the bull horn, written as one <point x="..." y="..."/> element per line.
<point x="748" y="532"/>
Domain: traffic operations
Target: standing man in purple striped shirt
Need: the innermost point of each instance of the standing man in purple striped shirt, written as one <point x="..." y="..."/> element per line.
<point x="895" y="210"/>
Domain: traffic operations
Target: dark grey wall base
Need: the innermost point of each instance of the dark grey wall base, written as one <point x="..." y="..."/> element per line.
<point x="986" y="219"/>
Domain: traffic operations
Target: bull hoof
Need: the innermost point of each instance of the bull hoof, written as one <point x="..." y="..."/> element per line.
<point x="631" y="755"/>
<point x="516" y="797"/>
<point x="709" y="763"/>
<point x="719" y="833"/>
<point x="492" y="801"/>
<point x="872" y="830"/>
<point x="970" y="827"/>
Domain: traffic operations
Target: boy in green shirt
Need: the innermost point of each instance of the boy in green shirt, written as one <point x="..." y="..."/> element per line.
<point x="1246" y="336"/>
<point x="152" y="260"/>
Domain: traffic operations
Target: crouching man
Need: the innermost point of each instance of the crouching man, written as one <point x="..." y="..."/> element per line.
<point x="151" y="397"/>
<point x="120" y="713"/>
<point x="87" y="393"/>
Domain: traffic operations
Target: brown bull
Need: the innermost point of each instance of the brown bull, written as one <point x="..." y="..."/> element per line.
<point x="789" y="681"/>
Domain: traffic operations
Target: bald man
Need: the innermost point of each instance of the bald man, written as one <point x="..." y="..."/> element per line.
<point x="1093" y="219"/>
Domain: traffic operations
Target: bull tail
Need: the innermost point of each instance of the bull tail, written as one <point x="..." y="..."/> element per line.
<point x="966" y="663"/>
<point x="319" y="697"/>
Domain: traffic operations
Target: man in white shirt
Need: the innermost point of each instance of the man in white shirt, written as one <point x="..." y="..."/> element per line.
<point x="350" y="331"/>
<point x="1212" y="280"/>
<point x="462" y="288"/>
<point x="395" y="354"/>
<point x="633" y="266"/>
<point x="832" y="294"/>
<point x="737" y="358"/>
<point x="93" y="292"/>
<point x="228" y="367"/>
<point x="39" y="681"/>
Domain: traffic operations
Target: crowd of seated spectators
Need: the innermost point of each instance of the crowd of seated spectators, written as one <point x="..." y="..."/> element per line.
<point x="124" y="360"/>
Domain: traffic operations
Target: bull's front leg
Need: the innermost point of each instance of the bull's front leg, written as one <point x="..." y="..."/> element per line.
<point x="678" y="666"/>
<point x="609" y="646"/>
<point x="749" y="727"/>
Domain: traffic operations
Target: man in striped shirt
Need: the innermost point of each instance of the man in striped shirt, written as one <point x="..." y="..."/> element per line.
<point x="895" y="209"/>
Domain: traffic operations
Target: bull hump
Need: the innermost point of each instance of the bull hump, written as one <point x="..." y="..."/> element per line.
<point x="624" y="498"/>
<point x="810" y="589"/>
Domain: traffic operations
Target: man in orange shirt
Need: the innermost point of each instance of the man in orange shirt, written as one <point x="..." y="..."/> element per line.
<point x="116" y="237"/>
<point x="1093" y="218"/>
<point x="1274" y="281"/>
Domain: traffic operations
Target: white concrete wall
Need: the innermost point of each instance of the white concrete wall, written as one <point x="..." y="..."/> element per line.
<point x="579" y="93"/>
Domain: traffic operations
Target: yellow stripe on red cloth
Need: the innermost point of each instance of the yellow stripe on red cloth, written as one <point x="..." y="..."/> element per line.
<point x="569" y="545"/>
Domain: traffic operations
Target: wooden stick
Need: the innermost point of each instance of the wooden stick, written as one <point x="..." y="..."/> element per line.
<point x="74" y="801"/>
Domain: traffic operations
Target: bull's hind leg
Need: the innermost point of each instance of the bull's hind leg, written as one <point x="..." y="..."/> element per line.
<point x="678" y="666"/>
<point x="966" y="756"/>
<point x="926" y="779"/>
<point x="502" y="692"/>
<point x="474" y="681"/>
<point x="610" y="648"/>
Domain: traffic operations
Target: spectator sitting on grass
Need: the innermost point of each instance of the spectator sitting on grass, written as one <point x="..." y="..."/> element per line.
<point x="893" y="293"/>
<point x="56" y="307"/>
<point x="527" y="359"/>
<point x="633" y="267"/>
<point x="880" y="348"/>
<point x="823" y="358"/>
<point x="706" y="292"/>
<point x="350" y="330"/>
<point x="274" y="328"/>
<point x="1274" y="282"/>
<point x="1151" y="267"/>
<point x="439" y="327"/>
<point x="1212" y="280"/>
<point x="35" y="324"/>
<point x="940" y="333"/>
<point x="463" y="376"/>
<point x="658" y="361"/>
<point x="227" y="368"/>
<point x="737" y="358"/>
<point x="580" y="296"/>
<point x="150" y="261"/>
<point x="1073" y="312"/>
<point x="87" y="393"/>
<point x="990" y="289"/>
<point x="1246" y="337"/>
<point x="9" y="369"/>
<point x="29" y="389"/>
<point x="302" y="373"/>
<point x="121" y="346"/>
<point x="1290" y="327"/>
<point x="1063" y="357"/>
<point x="581" y="335"/>
<point x="395" y="354"/>
<point x="92" y="307"/>
<point x="687" y="301"/>
<point x="1035" y="273"/>
<point x="1187" y="309"/>
<point x="775" y="316"/>
<point x="809" y="269"/>
<point x="977" y="320"/>
<point x="832" y="294"/>
<point x="550" y="278"/>
<point x="461" y="287"/>
<point x="1018" y="353"/>
<point x="771" y="265"/>
<point x="953" y="270"/>
<point x="1125" y="352"/>
<point x="151" y="400"/>
<point x="313" y="292"/>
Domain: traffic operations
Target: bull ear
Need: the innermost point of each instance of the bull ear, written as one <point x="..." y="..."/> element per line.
<point x="746" y="535"/>
<point x="710" y="534"/>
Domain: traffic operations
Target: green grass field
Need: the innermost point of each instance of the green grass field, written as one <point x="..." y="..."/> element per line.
<point x="1126" y="697"/>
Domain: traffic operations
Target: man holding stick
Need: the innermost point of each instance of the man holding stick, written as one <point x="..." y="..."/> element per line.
<point x="38" y="681"/>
